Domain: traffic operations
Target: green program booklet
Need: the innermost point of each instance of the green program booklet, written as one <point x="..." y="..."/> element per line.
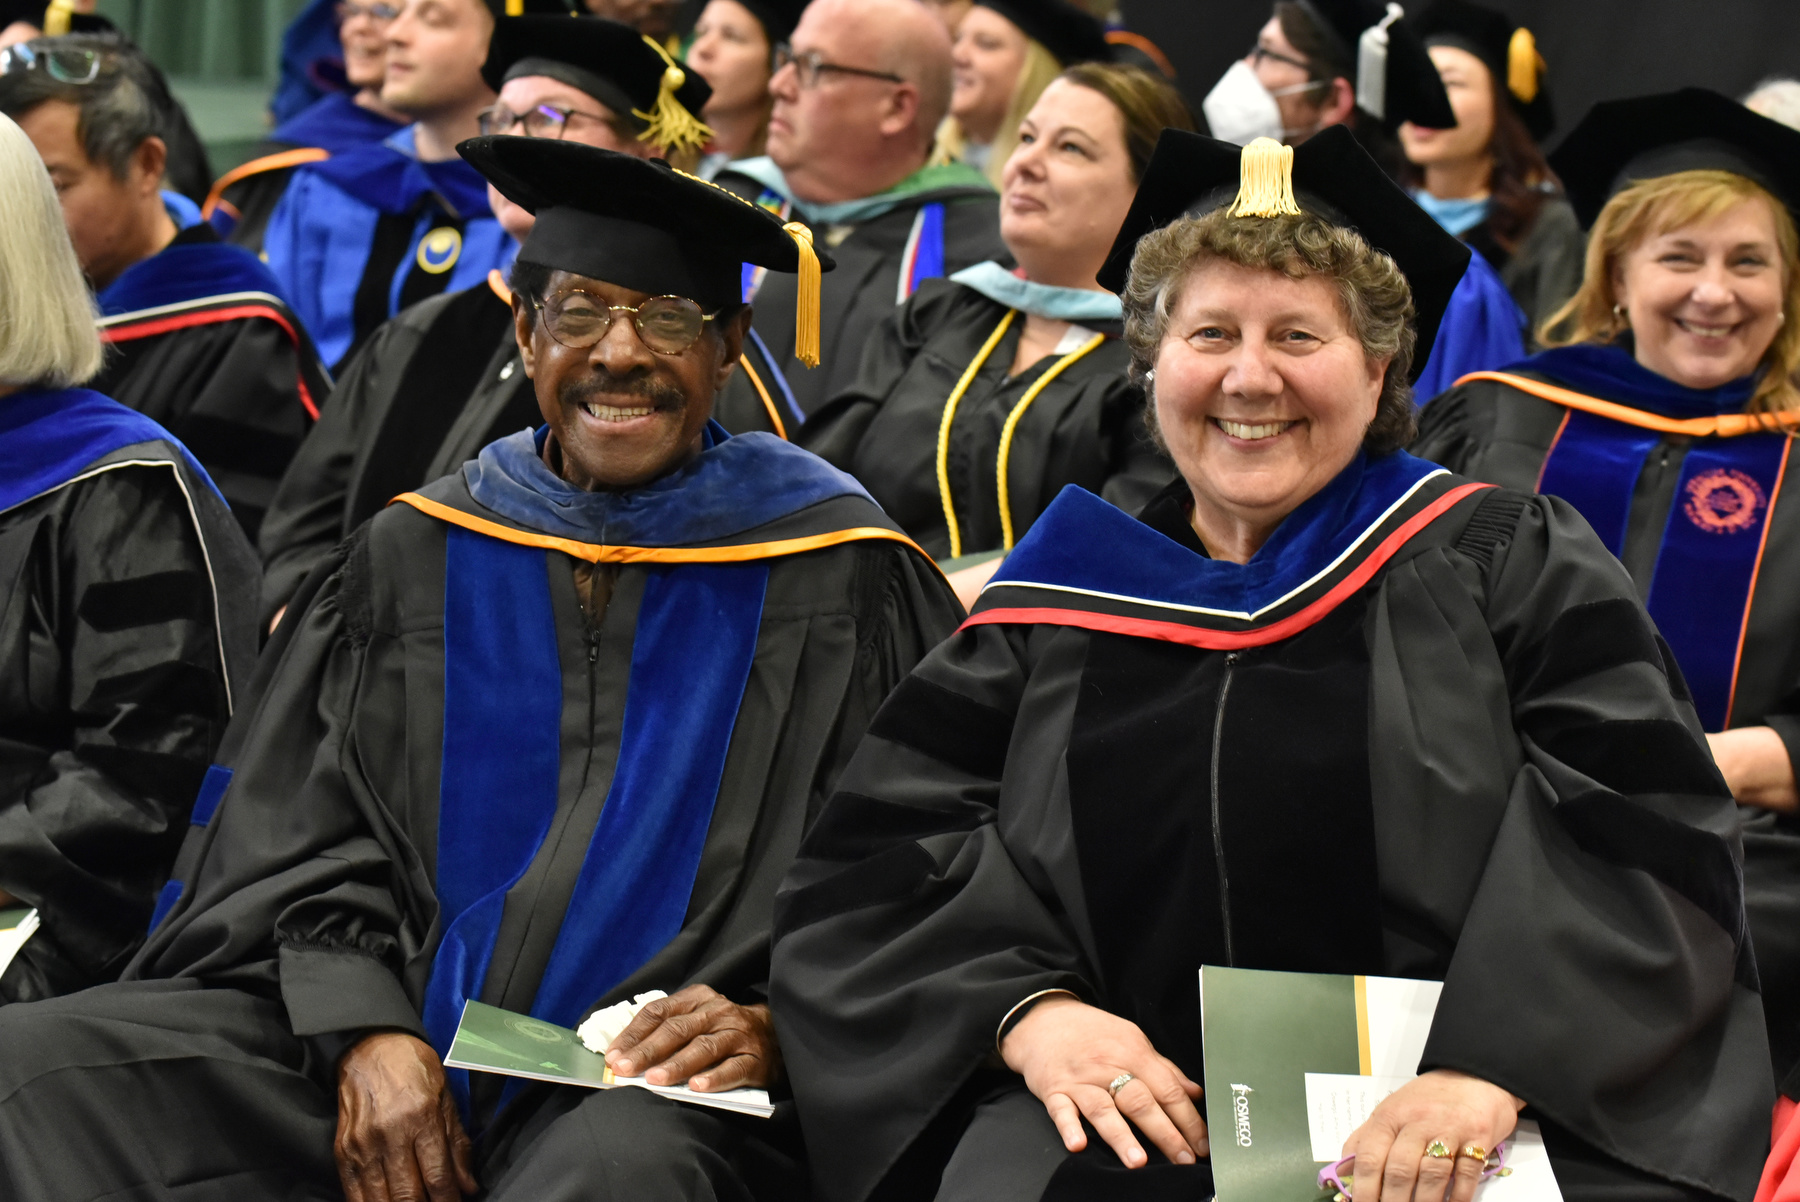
<point x="492" y="1040"/>
<point x="16" y="926"/>
<point x="1296" y="1061"/>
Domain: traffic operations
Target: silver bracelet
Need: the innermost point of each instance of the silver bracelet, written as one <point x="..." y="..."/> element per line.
<point x="1000" y="1030"/>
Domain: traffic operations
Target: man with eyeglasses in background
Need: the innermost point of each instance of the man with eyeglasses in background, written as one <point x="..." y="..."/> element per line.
<point x="1318" y="63"/>
<point x="202" y="339"/>
<point x="1305" y="73"/>
<point x="242" y="199"/>
<point x="858" y="97"/>
<point x="444" y="378"/>
<point x="360" y="236"/>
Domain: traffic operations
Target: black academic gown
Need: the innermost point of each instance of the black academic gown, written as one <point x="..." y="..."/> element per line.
<point x="1085" y="427"/>
<point x="127" y="600"/>
<point x="1476" y="768"/>
<point x="200" y="340"/>
<point x="856" y="297"/>
<point x="1493" y="431"/>
<point x="312" y="908"/>
<point x="432" y="387"/>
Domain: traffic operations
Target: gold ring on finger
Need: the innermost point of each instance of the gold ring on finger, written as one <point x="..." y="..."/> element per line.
<point x="1119" y="1082"/>
<point x="1474" y="1152"/>
<point x="1437" y="1149"/>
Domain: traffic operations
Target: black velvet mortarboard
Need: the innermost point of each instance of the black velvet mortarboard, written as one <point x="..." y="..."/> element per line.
<point x="1070" y="34"/>
<point x="1413" y="90"/>
<point x="1508" y="50"/>
<point x="637" y="223"/>
<point x="1621" y="142"/>
<point x="778" y="17"/>
<point x="1334" y="178"/>
<point x="609" y="61"/>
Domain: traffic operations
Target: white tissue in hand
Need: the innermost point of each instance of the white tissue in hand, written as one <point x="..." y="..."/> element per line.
<point x="603" y="1026"/>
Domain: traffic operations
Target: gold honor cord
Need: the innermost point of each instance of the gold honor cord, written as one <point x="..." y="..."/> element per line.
<point x="1006" y="432"/>
<point x="943" y="446"/>
<point x="1012" y="423"/>
<point x="767" y="400"/>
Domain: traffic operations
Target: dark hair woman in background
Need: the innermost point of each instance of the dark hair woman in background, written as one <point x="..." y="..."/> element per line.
<point x="1486" y="180"/>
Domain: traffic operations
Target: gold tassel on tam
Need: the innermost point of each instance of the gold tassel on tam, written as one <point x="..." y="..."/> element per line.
<point x="515" y="8"/>
<point x="56" y="18"/>
<point x="1523" y="64"/>
<point x="1266" y="181"/>
<point x="670" y="126"/>
<point x="806" y="309"/>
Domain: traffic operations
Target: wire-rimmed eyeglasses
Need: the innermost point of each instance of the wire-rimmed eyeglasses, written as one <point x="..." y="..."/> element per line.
<point x="667" y="325"/>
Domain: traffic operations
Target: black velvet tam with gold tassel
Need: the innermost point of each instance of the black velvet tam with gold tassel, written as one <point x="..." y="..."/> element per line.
<point x="641" y="224"/>
<point x="1327" y="176"/>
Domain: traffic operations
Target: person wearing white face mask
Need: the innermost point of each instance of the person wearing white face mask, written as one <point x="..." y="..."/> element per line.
<point x="1664" y="413"/>
<point x="1318" y="63"/>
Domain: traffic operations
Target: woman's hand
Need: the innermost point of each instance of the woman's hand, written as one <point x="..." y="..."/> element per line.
<point x="1391" y="1164"/>
<point x="398" y="1136"/>
<point x="1755" y="764"/>
<point x="702" y="1038"/>
<point x="1069" y="1054"/>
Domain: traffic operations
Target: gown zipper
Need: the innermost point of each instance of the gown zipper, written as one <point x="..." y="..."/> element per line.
<point x="1231" y="660"/>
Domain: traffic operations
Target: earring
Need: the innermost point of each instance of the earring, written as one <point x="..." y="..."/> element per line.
<point x="1619" y="315"/>
<point x="1151" y="374"/>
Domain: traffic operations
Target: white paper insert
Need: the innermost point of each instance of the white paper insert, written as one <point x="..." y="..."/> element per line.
<point x="14" y="939"/>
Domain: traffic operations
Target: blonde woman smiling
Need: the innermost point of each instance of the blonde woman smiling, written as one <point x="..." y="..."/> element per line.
<point x="1665" y="418"/>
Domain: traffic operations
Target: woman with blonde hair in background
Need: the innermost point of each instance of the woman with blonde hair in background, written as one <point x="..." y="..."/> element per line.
<point x="127" y="609"/>
<point x="1664" y="413"/>
<point x="1005" y="54"/>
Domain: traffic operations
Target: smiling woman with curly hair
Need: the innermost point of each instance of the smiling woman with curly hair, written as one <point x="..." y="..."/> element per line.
<point x="1319" y="707"/>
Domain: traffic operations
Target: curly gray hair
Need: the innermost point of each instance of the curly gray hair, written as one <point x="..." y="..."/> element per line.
<point x="1375" y="295"/>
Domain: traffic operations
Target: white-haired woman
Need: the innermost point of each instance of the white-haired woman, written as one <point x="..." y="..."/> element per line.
<point x="1320" y="707"/>
<point x="127" y="608"/>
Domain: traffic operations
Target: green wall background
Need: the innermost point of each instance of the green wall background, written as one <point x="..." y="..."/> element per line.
<point x="222" y="58"/>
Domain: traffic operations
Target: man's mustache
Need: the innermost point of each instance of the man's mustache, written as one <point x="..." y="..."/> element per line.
<point x="595" y="390"/>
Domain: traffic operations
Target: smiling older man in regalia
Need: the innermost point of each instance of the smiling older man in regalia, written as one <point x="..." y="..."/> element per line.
<point x="544" y="735"/>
